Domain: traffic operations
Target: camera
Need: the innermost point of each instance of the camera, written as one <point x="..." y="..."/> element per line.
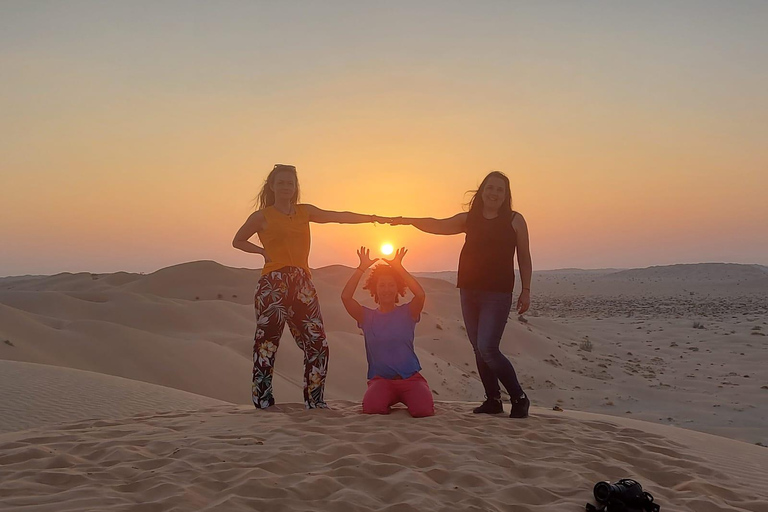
<point x="626" y="495"/>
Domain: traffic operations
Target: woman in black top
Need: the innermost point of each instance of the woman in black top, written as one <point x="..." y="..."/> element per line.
<point x="494" y="232"/>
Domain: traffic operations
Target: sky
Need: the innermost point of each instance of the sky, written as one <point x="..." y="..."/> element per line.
<point x="135" y="135"/>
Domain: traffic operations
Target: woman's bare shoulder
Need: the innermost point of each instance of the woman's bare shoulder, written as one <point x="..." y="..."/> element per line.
<point x="517" y="219"/>
<point x="257" y="219"/>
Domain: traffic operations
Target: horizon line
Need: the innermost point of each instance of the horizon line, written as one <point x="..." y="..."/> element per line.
<point x="561" y="269"/>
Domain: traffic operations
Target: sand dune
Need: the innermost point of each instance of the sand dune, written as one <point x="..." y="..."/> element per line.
<point x="727" y="272"/>
<point x="698" y="281"/>
<point x="237" y="458"/>
<point x="36" y="395"/>
<point x="154" y="370"/>
<point x="190" y="327"/>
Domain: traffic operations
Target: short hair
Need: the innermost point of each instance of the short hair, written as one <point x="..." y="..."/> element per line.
<point x="380" y="271"/>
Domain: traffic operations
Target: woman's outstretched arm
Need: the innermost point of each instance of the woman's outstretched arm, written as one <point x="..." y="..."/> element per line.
<point x="419" y="296"/>
<point x="450" y="226"/>
<point x="321" y="216"/>
<point x="353" y="307"/>
<point x="524" y="262"/>
<point x="254" y="223"/>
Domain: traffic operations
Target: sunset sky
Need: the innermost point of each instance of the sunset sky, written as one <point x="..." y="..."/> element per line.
<point x="134" y="135"/>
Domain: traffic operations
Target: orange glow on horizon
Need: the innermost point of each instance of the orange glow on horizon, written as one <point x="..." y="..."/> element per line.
<point x="612" y="162"/>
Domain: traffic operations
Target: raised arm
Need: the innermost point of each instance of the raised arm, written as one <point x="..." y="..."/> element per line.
<point x="450" y="226"/>
<point x="417" y="304"/>
<point x="325" y="216"/>
<point x="524" y="262"/>
<point x="254" y="223"/>
<point x="353" y="307"/>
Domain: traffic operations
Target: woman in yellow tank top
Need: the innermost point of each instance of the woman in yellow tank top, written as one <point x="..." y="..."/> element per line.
<point x="285" y="292"/>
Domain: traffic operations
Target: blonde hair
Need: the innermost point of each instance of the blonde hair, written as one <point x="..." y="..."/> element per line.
<point x="267" y="196"/>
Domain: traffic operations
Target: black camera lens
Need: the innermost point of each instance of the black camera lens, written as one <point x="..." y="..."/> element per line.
<point x="603" y="491"/>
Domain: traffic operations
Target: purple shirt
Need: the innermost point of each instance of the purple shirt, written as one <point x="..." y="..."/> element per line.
<point x="389" y="342"/>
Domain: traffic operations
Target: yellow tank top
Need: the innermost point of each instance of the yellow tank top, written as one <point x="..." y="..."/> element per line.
<point x="286" y="239"/>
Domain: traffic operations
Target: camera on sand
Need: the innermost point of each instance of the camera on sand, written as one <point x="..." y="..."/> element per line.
<point x="626" y="495"/>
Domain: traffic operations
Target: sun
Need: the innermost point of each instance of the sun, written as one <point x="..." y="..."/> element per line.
<point x="387" y="249"/>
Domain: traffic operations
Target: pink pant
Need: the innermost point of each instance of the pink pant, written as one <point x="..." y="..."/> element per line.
<point x="413" y="392"/>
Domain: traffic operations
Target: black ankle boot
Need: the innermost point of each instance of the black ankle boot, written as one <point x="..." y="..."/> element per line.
<point x="490" y="406"/>
<point x="520" y="407"/>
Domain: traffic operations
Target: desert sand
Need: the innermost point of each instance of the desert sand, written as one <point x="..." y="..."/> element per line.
<point x="131" y="392"/>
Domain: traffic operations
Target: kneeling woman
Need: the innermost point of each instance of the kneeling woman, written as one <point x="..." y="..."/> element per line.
<point x="393" y="368"/>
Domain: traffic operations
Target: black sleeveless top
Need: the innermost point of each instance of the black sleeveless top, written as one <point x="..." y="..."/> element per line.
<point x="486" y="260"/>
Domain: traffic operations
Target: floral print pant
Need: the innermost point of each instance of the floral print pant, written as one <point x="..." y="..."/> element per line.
<point x="288" y="295"/>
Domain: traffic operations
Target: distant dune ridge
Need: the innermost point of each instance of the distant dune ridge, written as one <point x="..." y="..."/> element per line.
<point x="729" y="272"/>
<point x="137" y="391"/>
<point x="753" y="277"/>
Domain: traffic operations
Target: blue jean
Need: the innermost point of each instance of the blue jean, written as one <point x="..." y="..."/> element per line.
<point x="485" y="316"/>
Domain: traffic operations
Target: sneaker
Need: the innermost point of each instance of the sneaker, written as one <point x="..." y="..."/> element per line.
<point x="520" y="407"/>
<point x="490" y="406"/>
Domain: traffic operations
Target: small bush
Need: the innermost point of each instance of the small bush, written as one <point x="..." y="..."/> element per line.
<point x="586" y="344"/>
<point x="698" y="325"/>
